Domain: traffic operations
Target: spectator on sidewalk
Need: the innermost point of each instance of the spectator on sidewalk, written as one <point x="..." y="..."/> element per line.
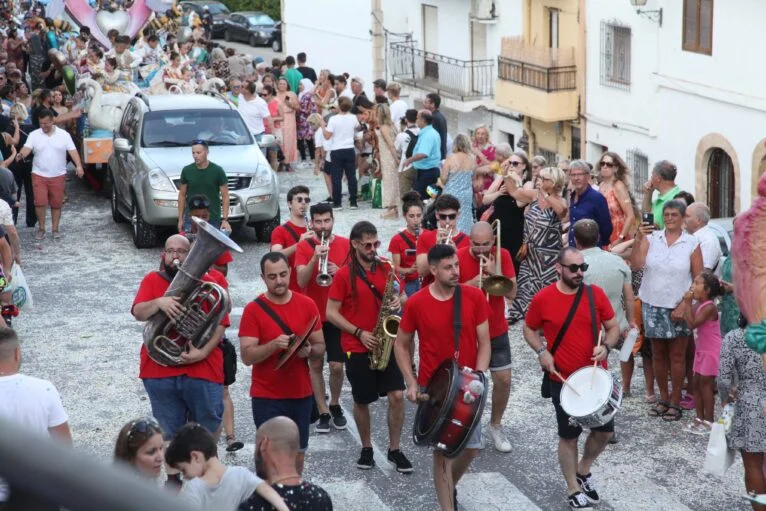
<point x="426" y="156"/>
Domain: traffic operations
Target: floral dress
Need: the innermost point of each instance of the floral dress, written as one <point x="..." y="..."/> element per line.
<point x="308" y="107"/>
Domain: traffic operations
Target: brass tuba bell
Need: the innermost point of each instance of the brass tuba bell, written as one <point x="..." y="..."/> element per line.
<point x="498" y="284"/>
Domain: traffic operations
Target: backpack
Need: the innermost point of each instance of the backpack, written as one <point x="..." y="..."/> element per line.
<point x="411" y="144"/>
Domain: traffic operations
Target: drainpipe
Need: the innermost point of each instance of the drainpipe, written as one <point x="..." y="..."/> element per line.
<point x="378" y="42"/>
<point x="581" y="74"/>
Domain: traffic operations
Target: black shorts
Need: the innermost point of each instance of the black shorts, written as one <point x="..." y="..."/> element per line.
<point x="566" y="430"/>
<point x="500" y="358"/>
<point x="327" y="168"/>
<point x="229" y="362"/>
<point x="367" y="384"/>
<point x="332" y="342"/>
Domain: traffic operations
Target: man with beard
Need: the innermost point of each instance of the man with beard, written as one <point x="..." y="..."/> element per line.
<point x="307" y="258"/>
<point x="470" y="258"/>
<point x="355" y="301"/>
<point x="431" y="313"/>
<point x="193" y="390"/>
<point x="573" y="347"/>
<point x="447" y="208"/>
<point x="286" y="237"/>
<point x="276" y="451"/>
<point x="268" y="328"/>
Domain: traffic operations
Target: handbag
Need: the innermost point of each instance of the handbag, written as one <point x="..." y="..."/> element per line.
<point x="545" y="389"/>
<point x="377" y="193"/>
<point x="718" y="456"/>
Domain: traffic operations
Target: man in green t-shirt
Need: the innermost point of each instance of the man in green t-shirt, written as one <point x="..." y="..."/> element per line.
<point x="292" y="75"/>
<point x="203" y="177"/>
<point x="663" y="181"/>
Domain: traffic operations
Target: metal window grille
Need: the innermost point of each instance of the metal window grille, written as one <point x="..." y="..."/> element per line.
<point x="550" y="156"/>
<point x="720" y="181"/>
<point x="615" y="55"/>
<point x="638" y="163"/>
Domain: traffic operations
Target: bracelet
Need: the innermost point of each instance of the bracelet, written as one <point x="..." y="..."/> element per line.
<point x="357" y="332"/>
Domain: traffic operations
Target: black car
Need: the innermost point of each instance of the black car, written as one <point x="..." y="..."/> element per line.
<point x="219" y="11"/>
<point x="255" y="28"/>
<point x="276" y="38"/>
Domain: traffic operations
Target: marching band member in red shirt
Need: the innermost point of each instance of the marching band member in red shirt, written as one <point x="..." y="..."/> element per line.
<point x="430" y="313"/>
<point x="447" y="208"/>
<point x="307" y="257"/>
<point x="403" y="244"/>
<point x="286" y="237"/>
<point x="354" y="305"/>
<point x="265" y="332"/>
<point x="482" y="241"/>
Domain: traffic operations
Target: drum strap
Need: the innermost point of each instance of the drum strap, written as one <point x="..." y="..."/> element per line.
<point x="592" y="304"/>
<point x="457" y="319"/>
<point x="273" y="315"/>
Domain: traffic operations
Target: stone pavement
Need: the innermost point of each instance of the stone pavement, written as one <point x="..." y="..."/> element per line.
<point x="82" y="336"/>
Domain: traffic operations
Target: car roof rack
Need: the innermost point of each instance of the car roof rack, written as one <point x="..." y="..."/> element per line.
<point x="218" y="95"/>
<point x="143" y="98"/>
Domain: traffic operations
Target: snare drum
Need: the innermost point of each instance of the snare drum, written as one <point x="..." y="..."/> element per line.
<point x="597" y="404"/>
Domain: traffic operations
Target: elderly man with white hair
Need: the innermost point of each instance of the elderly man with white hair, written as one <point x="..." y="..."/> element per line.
<point x="697" y="219"/>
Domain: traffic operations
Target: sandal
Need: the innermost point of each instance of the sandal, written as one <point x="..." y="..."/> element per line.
<point x="677" y="415"/>
<point x="650" y="399"/>
<point x="232" y="444"/>
<point x="40" y="235"/>
<point x="656" y="411"/>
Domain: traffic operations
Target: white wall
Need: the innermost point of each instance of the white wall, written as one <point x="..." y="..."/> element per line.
<point x="677" y="97"/>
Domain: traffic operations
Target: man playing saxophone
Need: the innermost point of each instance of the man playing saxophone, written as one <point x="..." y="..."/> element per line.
<point x="360" y="290"/>
<point x="329" y="249"/>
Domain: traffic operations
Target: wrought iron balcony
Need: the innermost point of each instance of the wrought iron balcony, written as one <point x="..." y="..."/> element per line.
<point x="459" y="79"/>
<point x="547" y="69"/>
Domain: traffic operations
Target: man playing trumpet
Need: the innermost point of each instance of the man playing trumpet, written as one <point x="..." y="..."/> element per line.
<point x="447" y="208"/>
<point x="477" y="264"/>
<point x="330" y="250"/>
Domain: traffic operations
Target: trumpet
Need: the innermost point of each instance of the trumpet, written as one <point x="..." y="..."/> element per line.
<point x="497" y="284"/>
<point x="324" y="279"/>
<point x="448" y="239"/>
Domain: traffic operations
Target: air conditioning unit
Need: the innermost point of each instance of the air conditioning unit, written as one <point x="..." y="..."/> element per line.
<point x="483" y="10"/>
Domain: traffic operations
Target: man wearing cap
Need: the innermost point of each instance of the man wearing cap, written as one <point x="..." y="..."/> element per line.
<point x="204" y="177"/>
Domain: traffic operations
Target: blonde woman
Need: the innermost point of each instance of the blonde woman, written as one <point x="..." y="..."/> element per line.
<point x="321" y="153"/>
<point x="614" y="186"/>
<point x="538" y="163"/>
<point x="324" y="92"/>
<point x="542" y="237"/>
<point x="457" y="177"/>
<point x="386" y="133"/>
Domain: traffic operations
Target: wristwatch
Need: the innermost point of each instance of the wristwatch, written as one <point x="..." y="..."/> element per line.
<point x="541" y="351"/>
<point x="225" y="219"/>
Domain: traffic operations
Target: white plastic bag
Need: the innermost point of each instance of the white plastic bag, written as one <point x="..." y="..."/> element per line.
<point x="22" y="296"/>
<point x="718" y="457"/>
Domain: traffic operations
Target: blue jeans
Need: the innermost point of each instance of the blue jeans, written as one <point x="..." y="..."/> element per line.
<point x="177" y="400"/>
<point x="343" y="161"/>
<point x="424" y="178"/>
<point x="412" y="287"/>
<point x="299" y="410"/>
<point x="187" y="222"/>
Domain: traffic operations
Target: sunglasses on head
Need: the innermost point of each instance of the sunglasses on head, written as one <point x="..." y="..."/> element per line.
<point x="370" y="245"/>
<point x="199" y="141"/>
<point x="143" y="426"/>
<point x="303" y="200"/>
<point x="607" y="164"/>
<point x="446" y="216"/>
<point x="199" y="204"/>
<point x="574" y="267"/>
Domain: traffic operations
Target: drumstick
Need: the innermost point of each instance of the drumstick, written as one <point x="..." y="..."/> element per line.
<point x="595" y="362"/>
<point x="571" y="387"/>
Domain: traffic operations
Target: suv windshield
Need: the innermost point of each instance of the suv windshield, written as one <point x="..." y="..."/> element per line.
<point x="217" y="9"/>
<point x="260" y="19"/>
<point x="178" y="128"/>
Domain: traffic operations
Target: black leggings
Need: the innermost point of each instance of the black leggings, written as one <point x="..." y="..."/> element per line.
<point x="22" y="172"/>
<point x="304" y="145"/>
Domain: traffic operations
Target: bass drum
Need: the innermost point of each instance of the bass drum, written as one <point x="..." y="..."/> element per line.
<point x="452" y="410"/>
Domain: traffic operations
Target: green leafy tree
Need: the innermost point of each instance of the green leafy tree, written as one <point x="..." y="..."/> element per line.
<point x="270" y="7"/>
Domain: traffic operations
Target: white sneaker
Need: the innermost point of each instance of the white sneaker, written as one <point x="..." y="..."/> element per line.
<point x="499" y="439"/>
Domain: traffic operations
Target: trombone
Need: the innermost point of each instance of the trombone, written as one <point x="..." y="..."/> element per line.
<point x="324" y="279"/>
<point x="498" y="284"/>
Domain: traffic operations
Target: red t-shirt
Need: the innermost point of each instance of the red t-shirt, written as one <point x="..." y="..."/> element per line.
<point x="427" y="239"/>
<point x="153" y="286"/>
<point x="469" y="268"/>
<point x="363" y="309"/>
<point x="292" y="380"/>
<point x="224" y="259"/>
<point x="339" y="247"/>
<point x="549" y="309"/>
<point x="433" y="319"/>
<point x="398" y="245"/>
<point x="283" y="235"/>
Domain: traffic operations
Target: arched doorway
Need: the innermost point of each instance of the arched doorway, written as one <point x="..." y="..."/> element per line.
<point x="720" y="183"/>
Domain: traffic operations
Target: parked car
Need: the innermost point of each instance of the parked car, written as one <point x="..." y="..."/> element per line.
<point x="219" y="11"/>
<point x="252" y="27"/>
<point x="153" y="144"/>
<point x="276" y="38"/>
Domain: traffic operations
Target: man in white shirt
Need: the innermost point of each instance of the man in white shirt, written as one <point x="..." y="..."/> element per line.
<point x="398" y="105"/>
<point x="401" y="143"/>
<point x="697" y="218"/>
<point x="255" y="111"/>
<point x="30" y="402"/>
<point x="50" y="145"/>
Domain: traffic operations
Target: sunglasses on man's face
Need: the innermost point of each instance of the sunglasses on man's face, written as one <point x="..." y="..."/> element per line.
<point x="574" y="267"/>
<point x="303" y="200"/>
<point x="370" y="245"/>
<point x="446" y="216"/>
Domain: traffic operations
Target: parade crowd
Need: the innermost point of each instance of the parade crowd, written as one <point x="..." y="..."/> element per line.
<point x="585" y="266"/>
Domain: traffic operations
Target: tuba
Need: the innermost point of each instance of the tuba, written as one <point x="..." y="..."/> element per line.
<point x="205" y="303"/>
<point x="387" y="325"/>
<point x="498" y="284"/>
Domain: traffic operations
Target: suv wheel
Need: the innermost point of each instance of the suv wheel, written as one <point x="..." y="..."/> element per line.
<point x="276" y="45"/>
<point x="227" y="36"/>
<point x="115" y="203"/>
<point x="144" y="235"/>
<point x="253" y="41"/>
<point x="264" y="229"/>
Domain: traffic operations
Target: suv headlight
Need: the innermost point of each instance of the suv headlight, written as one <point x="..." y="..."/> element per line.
<point x="262" y="176"/>
<point x="160" y="182"/>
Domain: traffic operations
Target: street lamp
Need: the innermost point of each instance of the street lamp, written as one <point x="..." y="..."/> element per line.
<point x="655" y="15"/>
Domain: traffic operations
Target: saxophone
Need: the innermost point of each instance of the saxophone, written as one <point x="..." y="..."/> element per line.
<point x="387" y="325"/>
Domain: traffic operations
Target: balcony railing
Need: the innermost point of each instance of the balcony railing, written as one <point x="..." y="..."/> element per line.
<point x="461" y="79"/>
<point x="547" y="69"/>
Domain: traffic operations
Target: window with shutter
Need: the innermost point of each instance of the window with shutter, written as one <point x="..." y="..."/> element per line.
<point x="698" y="26"/>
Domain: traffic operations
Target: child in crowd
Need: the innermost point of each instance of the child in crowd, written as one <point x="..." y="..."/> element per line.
<point x="211" y="485"/>
<point x="704" y="319"/>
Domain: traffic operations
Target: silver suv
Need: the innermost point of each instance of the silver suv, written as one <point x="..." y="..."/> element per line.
<point x="153" y="144"/>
